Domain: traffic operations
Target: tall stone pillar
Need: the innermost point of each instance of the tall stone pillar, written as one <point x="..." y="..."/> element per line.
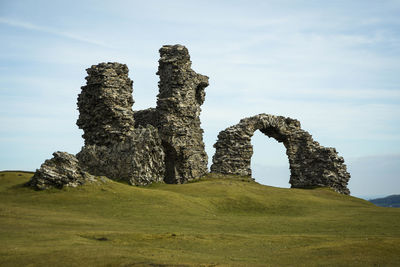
<point x="105" y="104"/>
<point x="113" y="146"/>
<point x="181" y="93"/>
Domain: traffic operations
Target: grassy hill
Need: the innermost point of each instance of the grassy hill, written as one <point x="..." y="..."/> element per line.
<point x="212" y="222"/>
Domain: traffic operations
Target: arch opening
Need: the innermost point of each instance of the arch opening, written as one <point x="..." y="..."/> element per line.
<point x="311" y="165"/>
<point x="269" y="162"/>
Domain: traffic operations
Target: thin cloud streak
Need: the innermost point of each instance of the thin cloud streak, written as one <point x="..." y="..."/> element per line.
<point x="33" y="27"/>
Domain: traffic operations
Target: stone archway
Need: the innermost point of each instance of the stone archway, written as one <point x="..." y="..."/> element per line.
<point x="269" y="163"/>
<point x="310" y="163"/>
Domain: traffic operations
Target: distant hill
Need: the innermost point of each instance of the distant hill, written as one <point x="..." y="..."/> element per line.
<point x="392" y="201"/>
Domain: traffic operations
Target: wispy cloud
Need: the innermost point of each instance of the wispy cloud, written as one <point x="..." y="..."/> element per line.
<point x="52" y="31"/>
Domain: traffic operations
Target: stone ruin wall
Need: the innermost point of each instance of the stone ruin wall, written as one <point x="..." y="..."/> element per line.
<point x="177" y="115"/>
<point x="311" y="165"/>
<point x="172" y="129"/>
<point x="105" y="105"/>
<point x="146" y="117"/>
<point x="113" y="146"/>
<point x="138" y="160"/>
<point x="178" y="104"/>
<point x="166" y="143"/>
<point x="153" y="145"/>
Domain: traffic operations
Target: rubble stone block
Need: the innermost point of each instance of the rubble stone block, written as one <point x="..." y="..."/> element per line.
<point x="62" y="170"/>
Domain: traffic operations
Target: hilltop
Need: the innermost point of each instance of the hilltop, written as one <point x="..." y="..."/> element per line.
<point x="215" y="221"/>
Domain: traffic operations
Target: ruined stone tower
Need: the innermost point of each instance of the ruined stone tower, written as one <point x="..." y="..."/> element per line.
<point x="113" y="146"/>
<point x="177" y="115"/>
<point x="105" y="105"/>
<point x="181" y="95"/>
<point x="165" y="143"/>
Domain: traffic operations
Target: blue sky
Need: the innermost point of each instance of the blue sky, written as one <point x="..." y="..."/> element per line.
<point x="333" y="65"/>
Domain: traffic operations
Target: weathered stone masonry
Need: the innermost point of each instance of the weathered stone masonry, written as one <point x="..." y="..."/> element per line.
<point x="166" y="143"/>
<point x="63" y="170"/>
<point x="163" y="144"/>
<point x="113" y="146"/>
<point x="172" y="147"/>
<point x="105" y="105"/>
<point x="177" y="115"/>
<point x="311" y="165"/>
<point x="178" y="105"/>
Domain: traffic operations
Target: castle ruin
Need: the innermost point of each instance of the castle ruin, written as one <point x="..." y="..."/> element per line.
<point x="311" y="165"/>
<point x="165" y="143"/>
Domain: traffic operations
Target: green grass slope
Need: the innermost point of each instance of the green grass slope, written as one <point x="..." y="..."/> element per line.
<point x="212" y="222"/>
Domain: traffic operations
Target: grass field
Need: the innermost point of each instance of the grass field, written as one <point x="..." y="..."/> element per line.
<point x="217" y="221"/>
